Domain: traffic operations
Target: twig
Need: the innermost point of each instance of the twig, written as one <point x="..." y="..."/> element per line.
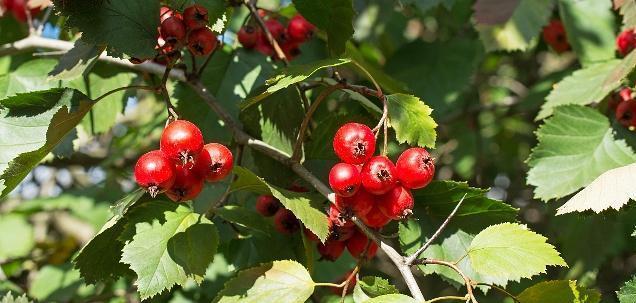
<point x="411" y="258"/>
<point x="464" y="298"/>
<point x="347" y="281"/>
<point x="166" y="96"/>
<point x="501" y="290"/>
<point x="144" y="87"/>
<point x="469" y="285"/>
<point x="207" y="60"/>
<point x="251" y="5"/>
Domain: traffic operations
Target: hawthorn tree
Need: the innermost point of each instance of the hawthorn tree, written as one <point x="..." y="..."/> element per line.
<point x="317" y="151"/>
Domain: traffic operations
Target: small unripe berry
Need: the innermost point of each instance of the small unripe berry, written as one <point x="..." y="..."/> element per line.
<point x="375" y="218"/>
<point x="626" y="41"/>
<point x="221" y="163"/>
<point x="267" y="205"/>
<point x="359" y="204"/>
<point x="154" y="172"/>
<point x="285" y="222"/>
<point x="379" y="175"/>
<point x="357" y="244"/>
<point x="248" y="36"/>
<point x="201" y="42"/>
<point x="181" y="141"/>
<point x="195" y="17"/>
<point x="354" y="143"/>
<point x="187" y="186"/>
<point x="415" y="168"/>
<point x="344" y="179"/>
<point x="397" y="204"/>
<point x="331" y="250"/>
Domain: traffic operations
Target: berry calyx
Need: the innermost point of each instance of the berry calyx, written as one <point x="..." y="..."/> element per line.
<point x="397" y="204"/>
<point x="379" y="175"/>
<point x="248" y="36"/>
<point x="360" y="246"/>
<point x="198" y="166"/>
<point x="338" y="218"/>
<point x="221" y="163"/>
<point x="299" y="29"/>
<point x="341" y="233"/>
<point x="181" y="141"/>
<point x="154" y="172"/>
<point x="554" y="35"/>
<point x="166" y="12"/>
<point x="626" y="41"/>
<point x="195" y="17"/>
<point x="187" y="186"/>
<point x="173" y="30"/>
<point x="285" y="222"/>
<point x="331" y="250"/>
<point x="267" y="205"/>
<point x="359" y="204"/>
<point x="375" y="218"/>
<point x="345" y="179"/>
<point x="626" y="113"/>
<point x="415" y="168"/>
<point x="354" y="143"/>
<point x="202" y="41"/>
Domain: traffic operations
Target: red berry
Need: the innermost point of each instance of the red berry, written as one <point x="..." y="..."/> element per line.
<point x="357" y="245"/>
<point x="626" y="113"/>
<point x="267" y="205"/>
<point x="154" y="172"/>
<point x="248" y="36"/>
<point x="354" y="143"/>
<point x="337" y="218"/>
<point x="554" y="34"/>
<point x="285" y="222"/>
<point x="263" y="46"/>
<point x="221" y="164"/>
<point x="415" y="168"/>
<point x="344" y="179"/>
<point x="198" y="166"/>
<point x="173" y="30"/>
<point x="360" y="204"/>
<point x="166" y="12"/>
<point x="341" y="233"/>
<point x="277" y="29"/>
<point x="18" y="9"/>
<point x="375" y="218"/>
<point x="202" y="42"/>
<point x="626" y="41"/>
<point x="397" y="204"/>
<point x="291" y="49"/>
<point x="181" y="141"/>
<point x="331" y="250"/>
<point x="195" y="17"/>
<point x="299" y="29"/>
<point x="379" y="175"/>
<point x="187" y="186"/>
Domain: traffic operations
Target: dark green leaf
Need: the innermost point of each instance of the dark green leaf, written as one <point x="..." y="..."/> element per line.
<point x="559" y="291"/>
<point x="243" y="217"/>
<point x="76" y="61"/>
<point x="335" y="17"/>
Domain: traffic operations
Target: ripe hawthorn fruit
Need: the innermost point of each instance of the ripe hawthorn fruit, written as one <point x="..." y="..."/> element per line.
<point x="415" y="168"/>
<point x="359" y="204"/>
<point x="267" y="205"/>
<point x="338" y="218"/>
<point x="554" y="35"/>
<point x="341" y="233"/>
<point x="248" y="36"/>
<point x="276" y="29"/>
<point x="626" y="113"/>
<point x="379" y="175"/>
<point x="173" y="30"/>
<point x="195" y="17"/>
<point x="626" y="41"/>
<point x="299" y="29"/>
<point x="285" y="222"/>
<point x="331" y="250"/>
<point x="18" y="9"/>
<point x="187" y="186"/>
<point x="181" y="141"/>
<point x="397" y="204"/>
<point x="202" y="41"/>
<point x="221" y="163"/>
<point x="155" y="172"/>
<point x="375" y="218"/>
<point x="345" y="179"/>
<point x="357" y="244"/>
<point x="354" y="143"/>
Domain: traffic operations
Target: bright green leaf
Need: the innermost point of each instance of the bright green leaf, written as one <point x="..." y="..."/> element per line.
<point x="280" y="281"/>
<point x="627" y="293"/>
<point x="76" y="61"/>
<point x="394" y="298"/>
<point x="16" y="238"/>
<point x="512" y="252"/>
<point x="559" y="291"/>
<point x="580" y="143"/>
<point x="9" y="298"/>
<point x="335" y="17"/>
<point x="376" y="286"/>
<point x="411" y="119"/>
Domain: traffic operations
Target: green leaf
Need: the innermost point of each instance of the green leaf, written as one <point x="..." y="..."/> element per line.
<point x="582" y="87"/>
<point x="280" y="281"/>
<point x="559" y="291"/>
<point x="412" y="121"/>
<point x="590" y="28"/>
<point x="305" y="206"/>
<point x="579" y="141"/>
<point x="512" y="252"/>
<point x="628" y="11"/>
<point x="9" y="298"/>
<point x="115" y="23"/>
<point x="28" y="77"/>
<point x="335" y="17"/>
<point x="55" y="283"/>
<point x="16" y="238"/>
<point x="122" y="205"/>
<point x="376" y="286"/>
<point x="292" y="75"/>
<point x="520" y="30"/>
<point x="437" y="72"/>
<point x="243" y="217"/>
<point x="163" y="254"/>
<point x="627" y="293"/>
<point x="31" y="125"/>
<point x="394" y="298"/>
<point x="76" y="61"/>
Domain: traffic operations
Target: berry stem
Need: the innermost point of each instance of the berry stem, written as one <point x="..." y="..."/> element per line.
<point x="172" y="114"/>
<point x="143" y="87"/>
<point x="208" y="59"/>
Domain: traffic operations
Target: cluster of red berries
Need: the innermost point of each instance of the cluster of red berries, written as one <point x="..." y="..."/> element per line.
<point x="624" y="105"/>
<point x="555" y="36"/>
<point x="177" y="30"/>
<point x="626" y="41"/>
<point x="289" y="38"/>
<point x="18" y="8"/>
<point x="182" y="163"/>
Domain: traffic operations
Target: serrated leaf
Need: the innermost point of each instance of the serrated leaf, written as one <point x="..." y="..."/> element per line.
<point x="163" y="254"/>
<point x="76" y="61"/>
<point x="17" y="237"/>
<point x="243" y="217"/>
<point x="559" y="291"/>
<point x="376" y="286"/>
<point x="9" y="298"/>
<point x="280" y="281"/>
<point x="520" y="30"/>
<point x="627" y="293"/>
<point x="31" y="125"/>
<point x="305" y="206"/>
<point x="611" y="190"/>
<point x="582" y="87"/>
<point x="115" y="23"/>
<point x="291" y="75"/>
<point x="580" y="143"/>
<point x="394" y="298"/>
<point x="497" y="251"/>
<point x="412" y="120"/>
<point x="590" y="28"/>
<point x="335" y="17"/>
